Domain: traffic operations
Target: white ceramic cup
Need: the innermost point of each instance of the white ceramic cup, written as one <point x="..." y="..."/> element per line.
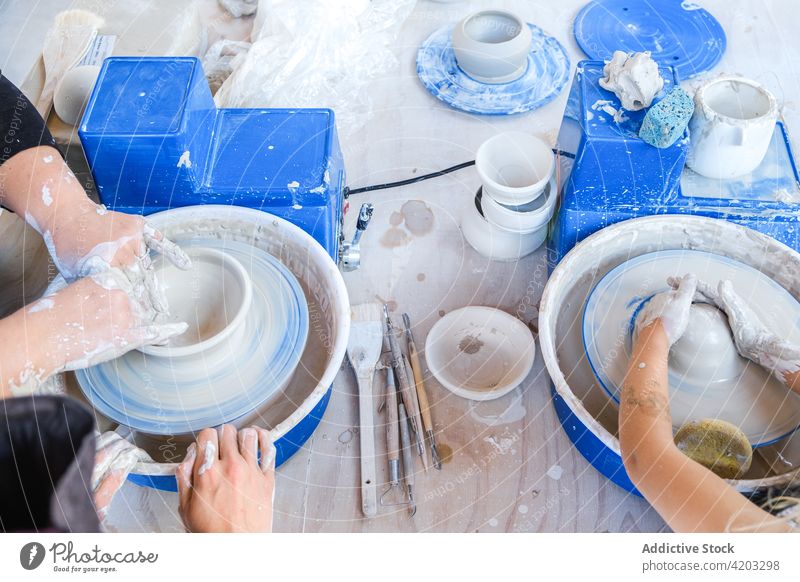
<point x="492" y="46"/>
<point x="514" y="167"/>
<point x="213" y="297"/>
<point x="731" y="129"/>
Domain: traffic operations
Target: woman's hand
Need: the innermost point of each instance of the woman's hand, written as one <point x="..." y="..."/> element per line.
<point x="221" y="486"/>
<point x="95" y="319"/>
<point x="671" y="307"/>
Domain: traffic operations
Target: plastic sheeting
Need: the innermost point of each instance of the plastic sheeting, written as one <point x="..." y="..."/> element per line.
<point x="317" y="53"/>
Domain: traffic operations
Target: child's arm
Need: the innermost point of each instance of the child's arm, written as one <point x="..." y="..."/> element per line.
<point x="688" y="496"/>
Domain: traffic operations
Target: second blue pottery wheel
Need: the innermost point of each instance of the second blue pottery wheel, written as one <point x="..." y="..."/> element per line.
<point x="543" y="81"/>
<point x="676" y="32"/>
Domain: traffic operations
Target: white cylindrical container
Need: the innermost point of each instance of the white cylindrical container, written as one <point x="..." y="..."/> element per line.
<point x="525" y="218"/>
<point x="492" y="46"/>
<point x="503" y="244"/>
<point x="514" y="167"/>
<point x="731" y="129"/>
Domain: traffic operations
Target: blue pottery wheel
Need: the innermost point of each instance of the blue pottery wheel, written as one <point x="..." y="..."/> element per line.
<point x="543" y="80"/>
<point x="677" y="33"/>
<point x="166" y="396"/>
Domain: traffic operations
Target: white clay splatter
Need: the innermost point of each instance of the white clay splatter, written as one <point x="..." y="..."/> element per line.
<point x="523" y="509"/>
<point x="297" y="206"/>
<point x="47" y="159"/>
<point x="272" y="147"/>
<point x="555" y="472"/>
<point x="41" y="305"/>
<point x="293" y="184"/>
<point x="642" y="365"/>
<point x="47" y="199"/>
<point x="184" y="161"/>
<point x="493" y="522"/>
<point x="209" y="455"/>
<point x="101" y="209"/>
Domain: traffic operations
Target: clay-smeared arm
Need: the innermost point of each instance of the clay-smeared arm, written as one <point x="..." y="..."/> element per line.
<point x="688" y="496"/>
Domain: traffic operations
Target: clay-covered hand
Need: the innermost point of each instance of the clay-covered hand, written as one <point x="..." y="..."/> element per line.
<point x="221" y="485"/>
<point x="753" y="340"/>
<point x="114" y="460"/>
<point x="671" y="307"/>
<point x="78" y="325"/>
<point x="704" y="292"/>
<point x="98" y="239"/>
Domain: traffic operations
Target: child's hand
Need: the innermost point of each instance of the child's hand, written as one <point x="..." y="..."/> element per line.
<point x="221" y="486"/>
<point x="671" y="307"/>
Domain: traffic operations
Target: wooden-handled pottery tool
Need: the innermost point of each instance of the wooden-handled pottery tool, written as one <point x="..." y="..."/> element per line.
<point x="419" y="436"/>
<point x="422" y="394"/>
<point x="363" y="350"/>
<point x="392" y="435"/>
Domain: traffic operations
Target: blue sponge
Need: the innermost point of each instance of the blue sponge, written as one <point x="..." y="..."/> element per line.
<point x="666" y="121"/>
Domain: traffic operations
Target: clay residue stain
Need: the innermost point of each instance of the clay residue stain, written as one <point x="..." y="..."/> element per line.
<point x="445" y="453"/>
<point x="418" y="217"/>
<point x="470" y="345"/>
<point x="442" y="313"/>
<point x="391" y="304"/>
<point x="394" y="237"/>
<point x="396" y="219"/>
<point x="420" y="277"/>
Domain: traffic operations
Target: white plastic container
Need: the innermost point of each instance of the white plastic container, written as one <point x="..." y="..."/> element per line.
<point x="523" y="219"/>
<point x="732" y="126"/>
<point x="514" y="167"/>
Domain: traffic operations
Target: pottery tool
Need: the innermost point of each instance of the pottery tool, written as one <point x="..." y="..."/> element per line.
<point x="717" y="445"/>
<point x="408" y="459"/>
<point x="392" y="434"/>
<point x="364" y="349"/>
<point x="422" y="394"/>
<point x="72" y="33"/>
<point x="419" y="436"/>
<point x="400" y="371"/>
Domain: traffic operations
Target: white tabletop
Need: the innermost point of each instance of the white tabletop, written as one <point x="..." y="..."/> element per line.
<point x="513" y="467"/>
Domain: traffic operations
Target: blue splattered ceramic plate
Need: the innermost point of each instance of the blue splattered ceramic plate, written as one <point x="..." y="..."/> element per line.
<point x="544" y="79"/>
<point x="172" y="396"/>
<point x="676" y="32"/>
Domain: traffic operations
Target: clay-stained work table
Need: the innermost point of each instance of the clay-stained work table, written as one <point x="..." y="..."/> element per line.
<point x="512" y="468"/>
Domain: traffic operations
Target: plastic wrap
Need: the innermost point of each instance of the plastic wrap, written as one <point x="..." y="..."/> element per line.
<point x="317" y="53"/>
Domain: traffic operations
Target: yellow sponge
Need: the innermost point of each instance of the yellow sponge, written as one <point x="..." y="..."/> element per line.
<point x="717" y="445"/>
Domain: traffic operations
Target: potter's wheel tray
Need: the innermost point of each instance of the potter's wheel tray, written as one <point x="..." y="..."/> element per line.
<point x="544" y="79"/>
<point x="163" y="395"/>
<point x="708" y="379"/>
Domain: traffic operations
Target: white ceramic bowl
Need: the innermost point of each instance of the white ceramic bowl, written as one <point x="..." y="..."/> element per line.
<point x="524" y="219"/>
<point x="497" y="243"/>
<point x="705" y="353"/>
<point x="492" y="46"/>
<point x="480" y="353"/>
<point x="514" y="167"/>
<point x="73" y="91"/>
<point x="213" y="297"/>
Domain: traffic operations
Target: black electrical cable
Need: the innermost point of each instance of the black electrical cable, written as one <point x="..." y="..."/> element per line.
<point x="387" y="185"/>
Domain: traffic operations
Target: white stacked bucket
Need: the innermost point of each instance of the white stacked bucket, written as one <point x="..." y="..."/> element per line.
<point x="510" y="218"/>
